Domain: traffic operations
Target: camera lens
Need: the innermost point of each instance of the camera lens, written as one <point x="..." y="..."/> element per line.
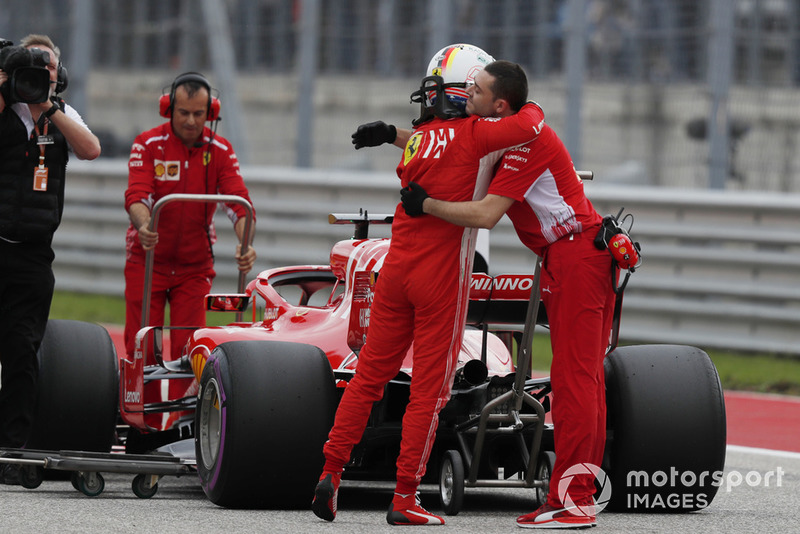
<point x="30" y="85"/>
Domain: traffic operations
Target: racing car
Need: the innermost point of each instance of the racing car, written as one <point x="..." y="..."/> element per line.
<point x="257" y="397"/>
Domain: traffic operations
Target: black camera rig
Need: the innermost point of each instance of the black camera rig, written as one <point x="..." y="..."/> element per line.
<point x="28" y="77"/>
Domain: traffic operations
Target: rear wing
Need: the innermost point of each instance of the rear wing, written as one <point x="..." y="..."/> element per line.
<point x="501" y="299"/>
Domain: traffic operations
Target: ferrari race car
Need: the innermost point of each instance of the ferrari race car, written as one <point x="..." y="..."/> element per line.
<point x="268" y="386"/>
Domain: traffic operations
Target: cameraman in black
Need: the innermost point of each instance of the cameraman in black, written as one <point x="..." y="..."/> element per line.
<point x="37" y="132"/>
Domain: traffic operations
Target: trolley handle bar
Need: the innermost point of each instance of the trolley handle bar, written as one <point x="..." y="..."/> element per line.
<point x="188" y="197"/>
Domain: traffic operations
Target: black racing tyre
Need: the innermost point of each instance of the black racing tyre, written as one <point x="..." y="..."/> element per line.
<point x="451" y="482"/>
<point x="263" y="414"/>
<point x="666" y="429"/>
<point x="78" y="389"/>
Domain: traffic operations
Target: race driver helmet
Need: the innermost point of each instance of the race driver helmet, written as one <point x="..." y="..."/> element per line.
<point x="443" y="92"/>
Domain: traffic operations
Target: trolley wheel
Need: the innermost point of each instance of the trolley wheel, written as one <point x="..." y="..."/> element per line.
<point x="90" y="484"/>
<point x="31" y="476"/>
<point x="451" y="482"/>
<point x="544" y="471"/>
<point x="145" y="486"/>
<point x="74" y="478"/>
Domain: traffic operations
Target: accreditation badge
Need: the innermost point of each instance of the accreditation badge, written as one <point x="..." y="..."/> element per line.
<point x="40" y="179"/>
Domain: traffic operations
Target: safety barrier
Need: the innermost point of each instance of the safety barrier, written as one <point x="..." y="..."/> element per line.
<point x="721" y="269"/>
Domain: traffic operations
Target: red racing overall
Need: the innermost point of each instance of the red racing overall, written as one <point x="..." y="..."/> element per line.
<point x="553" y="217"/>
<point x="422" y="290"/>
<point x="183" y="264"/>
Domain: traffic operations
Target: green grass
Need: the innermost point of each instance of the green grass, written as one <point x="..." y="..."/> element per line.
<point x="104" y="309"/>
<point x="749" y="372"/>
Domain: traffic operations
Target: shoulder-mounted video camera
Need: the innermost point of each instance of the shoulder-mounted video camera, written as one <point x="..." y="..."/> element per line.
<point x="28" y="77"/>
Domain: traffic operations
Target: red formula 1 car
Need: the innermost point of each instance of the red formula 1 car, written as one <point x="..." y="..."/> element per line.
<point x="258" y="396"/>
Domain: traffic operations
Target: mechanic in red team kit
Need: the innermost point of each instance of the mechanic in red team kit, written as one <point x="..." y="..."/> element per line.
<point x="536" y="184"/>
<point x="180" y="156"/>
<point x="422" y="289"/>
<point x="38" y="131"/>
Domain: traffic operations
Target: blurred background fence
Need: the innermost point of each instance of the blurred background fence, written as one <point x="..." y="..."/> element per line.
<point x="683" y="93"/>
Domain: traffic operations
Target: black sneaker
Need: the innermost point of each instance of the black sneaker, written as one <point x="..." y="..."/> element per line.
<point x="10" y="475"/>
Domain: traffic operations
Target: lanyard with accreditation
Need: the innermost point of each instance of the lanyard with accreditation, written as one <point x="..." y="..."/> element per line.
<point x="42" y="139"/>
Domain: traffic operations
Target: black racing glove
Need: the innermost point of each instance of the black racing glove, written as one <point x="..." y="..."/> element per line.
<point x="412" y="197"/>
<point x="374" y="134"/>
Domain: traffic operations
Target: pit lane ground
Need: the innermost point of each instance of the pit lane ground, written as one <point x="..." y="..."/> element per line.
<point x="181" y="507"/>
<point x="763" y="437"/>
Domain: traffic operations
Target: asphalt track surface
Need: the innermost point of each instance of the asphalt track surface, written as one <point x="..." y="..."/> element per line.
<point x="180" y="507"/>
<point x="760" y="492"/>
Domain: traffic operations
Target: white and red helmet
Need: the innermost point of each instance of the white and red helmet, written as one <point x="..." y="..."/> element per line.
<point x="449" y="73"/>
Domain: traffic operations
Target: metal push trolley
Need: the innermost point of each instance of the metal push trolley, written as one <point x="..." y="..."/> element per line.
<point x="86" y="467"/>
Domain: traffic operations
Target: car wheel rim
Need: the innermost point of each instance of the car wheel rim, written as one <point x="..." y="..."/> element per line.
<point x="210" y="424"/>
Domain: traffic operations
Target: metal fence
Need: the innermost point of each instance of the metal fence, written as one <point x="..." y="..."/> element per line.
<point x="721" y="269"/>
<point x="690" y="93"/>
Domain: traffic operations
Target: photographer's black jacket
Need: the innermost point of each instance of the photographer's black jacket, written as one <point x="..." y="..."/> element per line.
<point x="27" y="215"/>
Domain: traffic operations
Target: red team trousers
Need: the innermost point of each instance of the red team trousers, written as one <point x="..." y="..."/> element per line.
<point x="576" y="289"/>
<point x="422" y="299"/>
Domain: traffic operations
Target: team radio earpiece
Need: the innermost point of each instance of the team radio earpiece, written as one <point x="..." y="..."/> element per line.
<point x="167" y="101"/>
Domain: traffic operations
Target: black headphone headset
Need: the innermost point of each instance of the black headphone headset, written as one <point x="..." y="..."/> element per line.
<point x="62" y="80"/>
<point x="167" y="101"/>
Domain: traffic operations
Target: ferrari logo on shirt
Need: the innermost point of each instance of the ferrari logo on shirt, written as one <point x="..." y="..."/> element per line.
<point x="412" y="147"/>
<point x="206" y="158"/>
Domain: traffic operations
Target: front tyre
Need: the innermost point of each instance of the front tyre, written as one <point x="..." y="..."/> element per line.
<point x="263" y="414"/>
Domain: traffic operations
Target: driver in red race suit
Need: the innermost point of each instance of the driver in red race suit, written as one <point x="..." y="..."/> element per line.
<point x="422" y="289"/>
<point x="537" y="186"/>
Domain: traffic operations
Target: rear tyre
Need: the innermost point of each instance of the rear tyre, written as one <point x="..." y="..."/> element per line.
<point x="78" y="390"/>
<point x="666" y="428"/>
<point x="263" y="415"/>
